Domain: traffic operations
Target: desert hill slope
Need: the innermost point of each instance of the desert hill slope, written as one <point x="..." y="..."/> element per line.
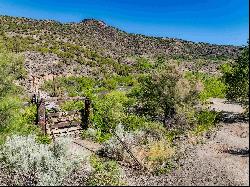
<point x="106" y="40"/>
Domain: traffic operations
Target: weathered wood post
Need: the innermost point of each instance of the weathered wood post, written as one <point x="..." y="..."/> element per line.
<point x="34" y="99"/>
<point x="140" y="165"/>
<point x="41" y="115"/>
<point x="33" y="81"/>
<point x="54" y="86"/>
<point x="38" y="96"/>
<point x="86" y="113"/>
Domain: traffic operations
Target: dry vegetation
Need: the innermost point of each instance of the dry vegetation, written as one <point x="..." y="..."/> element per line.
<point x="146" y="92"/>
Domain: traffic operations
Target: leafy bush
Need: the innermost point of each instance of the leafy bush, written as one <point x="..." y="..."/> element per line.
<point x="15" y="119"/>
<point x="159" y="155"/>
<point x="160" y="93"/>
<point x="8" y="109"/>
<point x="133" y="122"/>
<point x="143" y="64"/>
<point x="106" y="173"/>
<point x="206" y="120"/>
<point x="226" y="67"/>
<point x="110" y="83"/>
<point x="213" y="86"/>
<point x="85" y="86"/>
<point x="237" y="79"/>
<point x="11" y="68"/>
<point x="108" y="111"/>
<point x="26" y="162"/>
<point x="72" y="105"/>
<point x="113" y="82"/>
<point x="74" y="86"/>
<point x="95" y="134"/>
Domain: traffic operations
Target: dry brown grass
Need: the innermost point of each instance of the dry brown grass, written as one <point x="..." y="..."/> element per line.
<point x="154" y="155"/>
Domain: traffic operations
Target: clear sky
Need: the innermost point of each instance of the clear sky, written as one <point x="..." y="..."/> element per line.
<point x="213" y="21"/>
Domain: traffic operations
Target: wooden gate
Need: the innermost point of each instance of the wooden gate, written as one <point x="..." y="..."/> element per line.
<point x="68" y="123"/>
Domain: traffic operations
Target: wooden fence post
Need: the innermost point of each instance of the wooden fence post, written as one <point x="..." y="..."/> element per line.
<point x="54" y="86"/>
<point x="41" y="115"/>
<point x="86" y="113"/>
<point x="34" y="99"/>
<point x="128" y="150"/>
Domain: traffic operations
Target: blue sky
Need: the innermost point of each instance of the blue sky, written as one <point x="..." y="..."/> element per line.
<point x="213" y="21"/>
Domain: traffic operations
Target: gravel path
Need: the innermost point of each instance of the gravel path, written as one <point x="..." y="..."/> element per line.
<point x="222" y="158"/>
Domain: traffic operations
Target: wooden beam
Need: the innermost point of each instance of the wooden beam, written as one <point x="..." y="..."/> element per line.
<point x="41" y="115"/>
<point x="86" y="113"/>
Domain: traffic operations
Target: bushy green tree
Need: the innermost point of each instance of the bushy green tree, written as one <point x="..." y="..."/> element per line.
<point x="162" y="93"/>
<point x="237" y="78"/>
<point x="108" y="111"/>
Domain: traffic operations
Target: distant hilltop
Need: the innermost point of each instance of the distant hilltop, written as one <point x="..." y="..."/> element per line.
<point x="94" y="21"/>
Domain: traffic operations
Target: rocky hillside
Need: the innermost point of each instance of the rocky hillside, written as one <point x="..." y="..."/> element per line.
<point x="91" y="37"/>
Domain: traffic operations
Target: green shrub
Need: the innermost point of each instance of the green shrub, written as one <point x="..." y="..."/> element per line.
<point x="86" y="86"/>
<point x="110" y="83"/>
<point x="96" y="135"/>
<point x="24" y="161"/>
<point x="236" y="79"/>
<point x="133" y="122"/>
<point x="159" y="94"/>
<point x="106" y="173"/>
<point x="172" y="134"/>
<point x="226" y="67"/>
<point x="17" y="120"/>
<point x="72" y="105"/>
<point x="147" y="144"/>
<point x="143" y="64"/>
<point x="14" y="117"/>
<point x="159" y="155"/>
<point x="108" y="111"/>
<point x="11" y="68"/>
<point x="113" y="82"/>
<point x="206" y="120"/>
<point x="213" y="86"/>
<point x="74" y="86"/>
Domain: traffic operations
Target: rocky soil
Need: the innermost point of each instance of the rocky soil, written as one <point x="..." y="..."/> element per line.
<point x="43" y="67"/>
<point x="222" y="158"/>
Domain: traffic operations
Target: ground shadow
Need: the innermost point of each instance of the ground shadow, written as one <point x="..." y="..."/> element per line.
<point x="239" y="152"/>
<point x="230" y="117"/>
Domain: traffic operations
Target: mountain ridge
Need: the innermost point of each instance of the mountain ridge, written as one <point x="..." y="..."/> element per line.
<point x="113" y="42"/>
<point x="104" y="23"/>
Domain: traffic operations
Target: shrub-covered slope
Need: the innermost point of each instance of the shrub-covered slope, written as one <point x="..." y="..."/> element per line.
<point x="106" y="40"/>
